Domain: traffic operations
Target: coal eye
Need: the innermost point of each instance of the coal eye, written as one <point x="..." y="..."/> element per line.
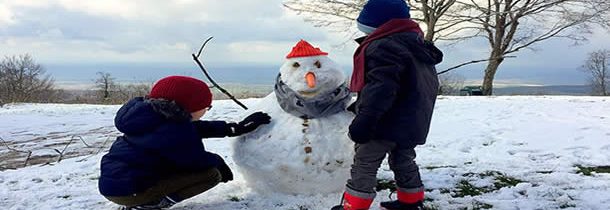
<point x="296" y="65"/>
<point x="318" y="64"/>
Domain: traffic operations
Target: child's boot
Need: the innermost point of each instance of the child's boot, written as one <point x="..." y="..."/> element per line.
<point x="397" y="205"/>
<point x="351" y="201"/>
<point x="406" y="201"/>
<point x="164" y="203"/>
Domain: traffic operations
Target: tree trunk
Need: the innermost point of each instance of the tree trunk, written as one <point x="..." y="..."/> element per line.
<point x="490" y="73"/>
<point x="603" y="77"/>
<point x="429" y="34"/>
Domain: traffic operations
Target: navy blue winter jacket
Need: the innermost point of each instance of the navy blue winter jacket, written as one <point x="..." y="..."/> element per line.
<point x="159" y="141"/>
<point x="400" y="88"/>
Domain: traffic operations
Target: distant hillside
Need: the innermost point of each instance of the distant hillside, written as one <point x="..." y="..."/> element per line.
<point x="577" y="90"/>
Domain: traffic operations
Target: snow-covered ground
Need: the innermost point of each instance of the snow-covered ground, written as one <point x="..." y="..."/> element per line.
<point x="516" y="152"/>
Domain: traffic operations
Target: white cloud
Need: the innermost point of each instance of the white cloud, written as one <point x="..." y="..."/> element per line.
<point x="30" y="3"/>
<point x="247" y="32"/>
<point x="6" y="16"/>
<point x="164" y="11"/>
<point x="95" y="31"/>
<point x="54" y="33"/>
<point x="109" y="8"/>
<point x="78" y="51"/>
<point x="257" y="51"/>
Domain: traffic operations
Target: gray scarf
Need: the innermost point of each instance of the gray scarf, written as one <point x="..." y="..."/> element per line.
<point x="308" y="108"/>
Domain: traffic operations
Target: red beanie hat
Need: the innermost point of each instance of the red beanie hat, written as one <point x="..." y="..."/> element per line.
<point x="189" y="93"/>
<point x="304" y="49"/>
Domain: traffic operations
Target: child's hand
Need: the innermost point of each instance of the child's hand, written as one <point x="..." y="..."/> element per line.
<point x="361" y="130"/>
<point x="252" y="122"/>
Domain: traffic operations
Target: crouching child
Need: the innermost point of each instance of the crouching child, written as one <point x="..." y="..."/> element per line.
<point x="160" y="159"/>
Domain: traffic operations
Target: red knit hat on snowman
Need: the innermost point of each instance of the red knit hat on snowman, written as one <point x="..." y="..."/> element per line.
<point x="304" y="49"/>
<point x="189" y="93"/>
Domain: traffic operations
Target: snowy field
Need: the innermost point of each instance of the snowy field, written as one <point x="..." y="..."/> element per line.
<point x="522" y="152"/>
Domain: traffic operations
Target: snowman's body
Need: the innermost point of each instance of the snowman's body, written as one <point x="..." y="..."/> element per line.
<point x="299" y="154"/>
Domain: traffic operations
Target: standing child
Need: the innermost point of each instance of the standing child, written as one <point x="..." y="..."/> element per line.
<point x="160" y="160"/>
<point x="396" y="81"/>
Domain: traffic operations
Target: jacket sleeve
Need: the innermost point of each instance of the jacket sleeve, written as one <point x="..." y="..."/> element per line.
<point x="212" y="129"/>
<point x="383" y="76"/>
<point x="191" y="155"/>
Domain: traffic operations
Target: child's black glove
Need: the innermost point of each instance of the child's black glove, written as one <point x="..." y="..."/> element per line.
<point x="225" y="172"/>
<point x="362" y="129"/>
<point x="249" y="124"/>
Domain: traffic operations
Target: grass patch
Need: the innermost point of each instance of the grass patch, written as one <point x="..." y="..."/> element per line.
<point x="469" y="174"/>
<point x="588" y="171"/>
<point x="464" y="188"/>
<point x="437" y="167"/>
<point x="500" y="179"/>
<point x="235" y="199"/>
<point x="431" y="207"/>
<point x="478" y="205"/>
<point x="384" y="184"/>
<point x="506" y="181"/>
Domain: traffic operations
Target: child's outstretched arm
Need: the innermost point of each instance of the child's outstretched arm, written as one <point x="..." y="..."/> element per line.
<point x="211" y="129"/>
<point x="218" y="129"/>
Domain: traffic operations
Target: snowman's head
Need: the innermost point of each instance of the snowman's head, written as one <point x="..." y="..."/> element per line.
<point x="309" y="72"/>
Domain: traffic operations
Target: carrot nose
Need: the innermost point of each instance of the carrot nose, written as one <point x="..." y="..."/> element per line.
<point x="310" y="77"/>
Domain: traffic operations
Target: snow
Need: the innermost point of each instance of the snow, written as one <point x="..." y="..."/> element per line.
<point x="41" y="128"/>
<point x="535" y="139"/>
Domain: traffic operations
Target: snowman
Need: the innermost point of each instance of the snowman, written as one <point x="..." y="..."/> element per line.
<point x="305" y="149"/>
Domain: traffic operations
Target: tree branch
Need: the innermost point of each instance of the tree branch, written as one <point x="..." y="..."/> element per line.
<point x="473" y="62"/>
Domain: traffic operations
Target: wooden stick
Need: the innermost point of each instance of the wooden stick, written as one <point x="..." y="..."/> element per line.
<point x="205" y="72"/>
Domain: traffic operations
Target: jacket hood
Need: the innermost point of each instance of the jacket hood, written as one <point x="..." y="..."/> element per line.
<point x="140" y="115"/>
<point x="423" y="50"/>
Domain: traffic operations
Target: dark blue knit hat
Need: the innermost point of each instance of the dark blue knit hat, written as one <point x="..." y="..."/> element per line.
<point x="377" y="12"/>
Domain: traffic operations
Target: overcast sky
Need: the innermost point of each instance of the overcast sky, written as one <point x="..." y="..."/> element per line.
<point x="247" y="33"/>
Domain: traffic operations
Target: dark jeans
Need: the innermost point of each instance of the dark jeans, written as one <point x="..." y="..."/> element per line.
<point x="367" y="160"/>
<point x="178" y="187"/>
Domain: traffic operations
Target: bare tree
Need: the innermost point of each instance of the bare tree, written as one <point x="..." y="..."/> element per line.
<point x="440" y="25"/>
<point x="126" y="92"/>
<point x="105" y="84"/>
<point x="450" y="84"/>
<point x="597" y="66"/>
<point x="24" y="80"/>
<point x="512" y="25"/>
<point x="340" y="16"/>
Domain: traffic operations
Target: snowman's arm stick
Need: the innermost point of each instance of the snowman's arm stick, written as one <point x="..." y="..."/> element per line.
<point x="205" y="72"/>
